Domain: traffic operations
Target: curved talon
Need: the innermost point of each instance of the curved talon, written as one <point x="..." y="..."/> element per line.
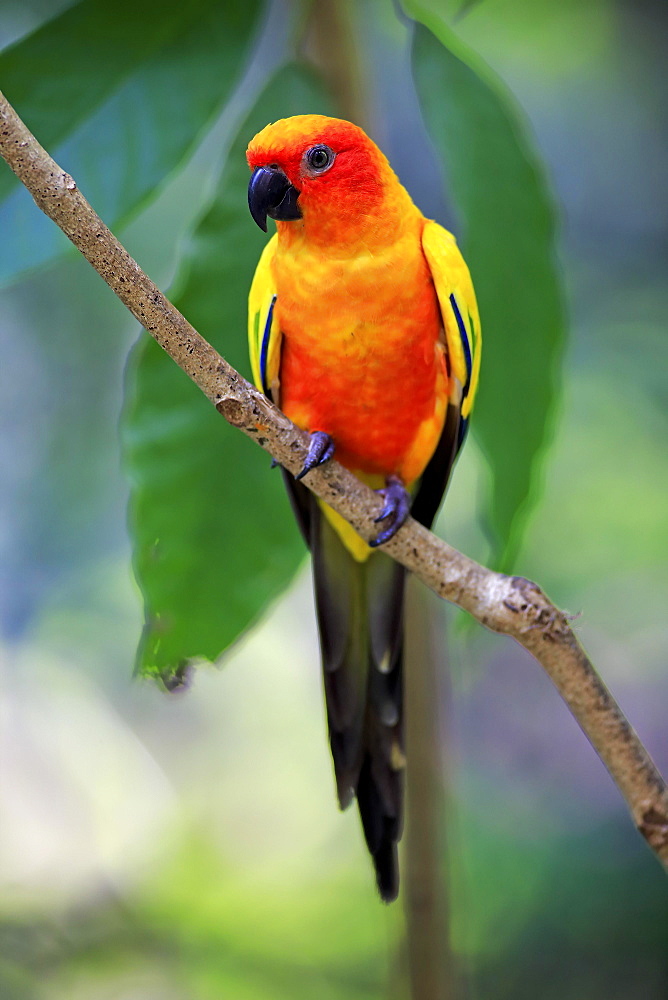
<point x="385" y="512"/>
<point x="320" y="449"/>
<point x="397" y="506"/>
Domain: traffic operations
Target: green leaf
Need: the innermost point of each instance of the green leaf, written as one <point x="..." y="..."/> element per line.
<point x="508" y="224"/>
<point x="119" y="94"/>
<point x="214" y="539"/>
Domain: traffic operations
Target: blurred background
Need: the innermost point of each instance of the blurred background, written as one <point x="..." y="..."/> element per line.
<point x="188" y="846"/>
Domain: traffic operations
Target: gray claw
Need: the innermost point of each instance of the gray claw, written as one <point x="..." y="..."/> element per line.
<point x="320" y="449"/>
<point x="397" y="507"/>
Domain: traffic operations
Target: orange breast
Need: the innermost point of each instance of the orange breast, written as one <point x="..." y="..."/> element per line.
<point x="362" y="356"/>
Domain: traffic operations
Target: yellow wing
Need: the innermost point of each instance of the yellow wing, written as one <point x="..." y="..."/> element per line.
<point x="264" y="336"/>
<point x="459" y="310"/>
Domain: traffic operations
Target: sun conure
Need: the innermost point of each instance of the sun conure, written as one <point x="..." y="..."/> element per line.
<point x="364" y="329"/>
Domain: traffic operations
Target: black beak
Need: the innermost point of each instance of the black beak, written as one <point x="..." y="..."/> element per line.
<point x="270" y="193"/>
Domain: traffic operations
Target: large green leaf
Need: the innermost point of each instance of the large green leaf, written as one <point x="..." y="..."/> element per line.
<point x="213" y="536"/>
<point x="508" y="225"/>
<point x="118" y="94"/>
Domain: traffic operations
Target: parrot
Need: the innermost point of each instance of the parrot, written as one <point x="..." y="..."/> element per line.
<point x="364" y="329"/>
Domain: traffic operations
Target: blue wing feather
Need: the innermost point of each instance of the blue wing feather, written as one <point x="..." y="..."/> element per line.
<point x="264" y="350"/>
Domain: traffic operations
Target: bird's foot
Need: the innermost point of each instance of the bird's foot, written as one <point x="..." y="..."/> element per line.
<point x="320" y="449"/>
<point x="396" y="510"/>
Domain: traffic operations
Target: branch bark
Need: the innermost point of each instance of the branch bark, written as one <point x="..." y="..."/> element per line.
<point x="512" y="606"/>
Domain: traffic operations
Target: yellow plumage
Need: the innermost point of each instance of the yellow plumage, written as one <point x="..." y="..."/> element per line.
<point x="364" y="329"/>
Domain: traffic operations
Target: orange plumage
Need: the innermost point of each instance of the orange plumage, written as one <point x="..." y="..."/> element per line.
<point x="362" y="354"/>
<point x="363" y="327"/>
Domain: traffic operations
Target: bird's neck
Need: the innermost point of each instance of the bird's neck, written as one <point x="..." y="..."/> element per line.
<point x="346" y="229"/>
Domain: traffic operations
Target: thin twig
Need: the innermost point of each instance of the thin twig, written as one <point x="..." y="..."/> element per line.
<point x="510" y="605"/>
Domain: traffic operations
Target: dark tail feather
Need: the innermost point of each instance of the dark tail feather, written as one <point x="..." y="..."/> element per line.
<point x="381" y="833"/>
<point x="360" y="619"/>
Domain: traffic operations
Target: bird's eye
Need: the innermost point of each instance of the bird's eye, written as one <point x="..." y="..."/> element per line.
<point x="320" y="158"/>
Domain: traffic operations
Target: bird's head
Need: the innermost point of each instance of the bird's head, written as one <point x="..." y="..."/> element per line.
<point x="317" y="172"/>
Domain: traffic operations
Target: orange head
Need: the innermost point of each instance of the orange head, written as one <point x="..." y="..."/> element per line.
<point x="321" y="175"/>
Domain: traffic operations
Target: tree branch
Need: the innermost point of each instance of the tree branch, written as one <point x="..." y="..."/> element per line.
<point x="509" y="605"/>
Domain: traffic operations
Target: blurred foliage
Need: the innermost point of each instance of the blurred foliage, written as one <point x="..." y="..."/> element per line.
<point x="140" y="116"/>
<point x="508" y="241"/>
<point x="498" y="189"/>
<point x="188" y="848"/>
<point x="131" y="86"/>
<point x="214" y="538"/>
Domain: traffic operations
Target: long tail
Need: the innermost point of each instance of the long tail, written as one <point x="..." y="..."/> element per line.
<point x="360" y="607"/>
<point x="360" y="620"/>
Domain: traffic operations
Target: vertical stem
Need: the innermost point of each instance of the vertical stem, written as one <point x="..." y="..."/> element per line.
<point x="331" y="44"/>
<point x="431" y="969"/>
